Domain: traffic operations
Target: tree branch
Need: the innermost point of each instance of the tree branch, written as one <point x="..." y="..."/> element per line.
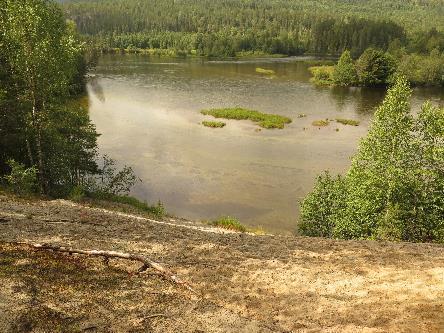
<point x="147" y="263"/>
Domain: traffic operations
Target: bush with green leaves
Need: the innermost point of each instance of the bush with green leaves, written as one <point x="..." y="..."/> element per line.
<point x="394" y="188"/>
<point x="320" y="207"/>
<point x="345" y="73"/>
<point x="22" y="180"/>
<point x="375" y="67"/>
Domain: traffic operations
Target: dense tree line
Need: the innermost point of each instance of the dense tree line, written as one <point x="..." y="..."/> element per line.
<point x="378" y="68"/>
<point x="394" y="188"/>
<point x="225" y="28"/>
<point x="47" y="141"/>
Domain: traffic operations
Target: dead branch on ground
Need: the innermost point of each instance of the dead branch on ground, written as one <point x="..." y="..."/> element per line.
<point x="146" y="262"/>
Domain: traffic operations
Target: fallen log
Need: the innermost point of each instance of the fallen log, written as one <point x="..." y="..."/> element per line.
<point x="146" y="262"/>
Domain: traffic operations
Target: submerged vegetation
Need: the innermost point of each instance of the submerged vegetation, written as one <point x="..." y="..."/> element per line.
<point x="394" y="188"/>
<point x="350" y="122"/>
<point x="230" y="223"/>
<point x="213" y="124"/>
<point x="265" y="71"/>
<point x="321" y="123"/>
<point x="322" y="75"/>
<point x="264" y="120"/>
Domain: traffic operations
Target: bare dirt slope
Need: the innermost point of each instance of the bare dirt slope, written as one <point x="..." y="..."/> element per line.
<point x="244" y="283"/>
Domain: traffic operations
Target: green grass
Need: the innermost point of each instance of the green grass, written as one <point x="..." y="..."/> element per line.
<point x="154" y="210"/>
<point x="264" y="120"/>
<point x="227" y="222"/>
<point x="320" y="123"/>
<point x="265" y="71"/>
<point x="350" y="122"/>
<point x="213" y="124"/>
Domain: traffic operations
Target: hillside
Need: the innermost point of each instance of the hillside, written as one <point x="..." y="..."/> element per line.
<point x="243" y="283"/>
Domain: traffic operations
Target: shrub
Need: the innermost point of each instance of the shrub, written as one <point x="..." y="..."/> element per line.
<point x="321" y="207"/>
<point x="345" y="73"/>
<point x="21" y="179"/>
<point x="374" y="67"/>
<point x="77" y="193"/>
<point x="394" y="188"/>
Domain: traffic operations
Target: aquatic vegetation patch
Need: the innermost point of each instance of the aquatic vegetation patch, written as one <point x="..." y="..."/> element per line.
<point x="322" y="75"/>
<point x="213" y="124"/>
<point x="265" y="71"/>
<point x="320" y="123"/>
<point x="264" y="120"/>
<point x="229" y="223"/>
<point x="350" y="122"/>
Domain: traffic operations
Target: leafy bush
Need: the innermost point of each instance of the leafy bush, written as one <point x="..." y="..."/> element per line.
<point x="321" y="207"/>
<point x="375" y="67"/>
<point x="344" y="73"/>
<point x="77" y="193"/>
<point x="394" y="188"/>
<point x="112" y="181"/>
<point x="21" y="179"/>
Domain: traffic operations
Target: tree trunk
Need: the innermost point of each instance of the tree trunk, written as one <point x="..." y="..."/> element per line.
<point x="28" y="147"/>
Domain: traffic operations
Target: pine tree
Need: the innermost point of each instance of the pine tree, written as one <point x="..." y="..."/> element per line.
<point x="345" y="72"/>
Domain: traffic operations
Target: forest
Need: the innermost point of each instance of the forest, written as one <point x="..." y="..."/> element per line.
<point x="237" y="27"/>
<point x="48" y="144"/>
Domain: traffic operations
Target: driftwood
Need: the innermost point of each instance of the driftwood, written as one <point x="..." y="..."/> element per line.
<point x="146" y="262"/>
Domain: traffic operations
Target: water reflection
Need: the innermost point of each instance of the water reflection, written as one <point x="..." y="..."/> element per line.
<point x="147" y="110"/>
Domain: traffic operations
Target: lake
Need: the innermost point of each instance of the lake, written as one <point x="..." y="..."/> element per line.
<point x="148" y="112"/>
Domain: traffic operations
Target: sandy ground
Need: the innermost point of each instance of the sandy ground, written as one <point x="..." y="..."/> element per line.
<point x="243" y="283"/>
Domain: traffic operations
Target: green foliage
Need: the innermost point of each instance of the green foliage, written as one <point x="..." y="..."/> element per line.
<point x="213" y="124"/>
<point x="321" y="207"/>
<point x="423" y="70"/>
<point x="22" y="180"/>
<point x="322" y="75"/>
<point x="113" y="181"/>
<point x="264" y="120"/>
<point x="375" y="67"/>
<point x="226" y="29"/>
<point x="379" y="68"/>
<point x="230" y="223"/>
<point x="394" y="188"/>
<point x="77" y="193"/>
<point x="350" y="122"/>
<point x="345" y="73"/>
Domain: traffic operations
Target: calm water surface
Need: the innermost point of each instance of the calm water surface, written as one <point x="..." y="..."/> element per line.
<point x="147" y="110"/>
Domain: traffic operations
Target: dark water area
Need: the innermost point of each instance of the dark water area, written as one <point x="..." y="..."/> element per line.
<point x="147" y="110"/>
